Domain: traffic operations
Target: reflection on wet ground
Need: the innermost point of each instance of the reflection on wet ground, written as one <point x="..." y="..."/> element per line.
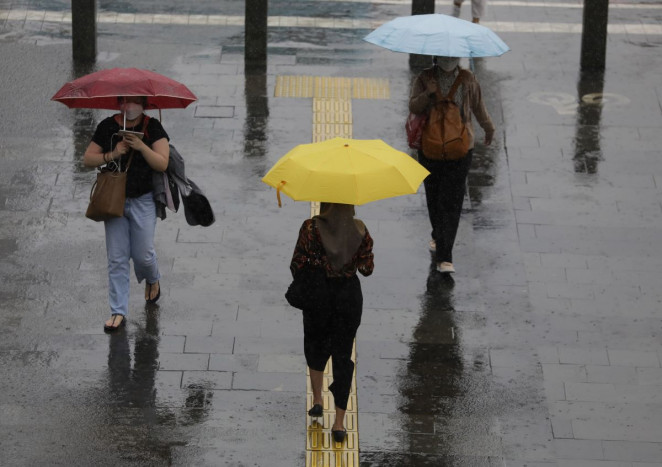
<point x="587" y="137"/>
<point x="132" y="393"/>
<point x="82" y="131"/>
<point x="136" y="421"/>
<point x="257" y="109"/>
<point x="449" y="406"/>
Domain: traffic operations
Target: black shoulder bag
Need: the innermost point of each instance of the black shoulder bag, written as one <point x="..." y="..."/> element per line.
<point x="309" y="289"/>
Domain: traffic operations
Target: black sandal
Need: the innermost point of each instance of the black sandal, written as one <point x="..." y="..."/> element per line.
<point x="339" y="435"/>
<point x="316" y="411"/>
<point x="114" y="327"/>
<point x="149" y="293"/>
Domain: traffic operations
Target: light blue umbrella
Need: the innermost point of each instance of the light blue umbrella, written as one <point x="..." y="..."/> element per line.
<point x="440" y="35"/>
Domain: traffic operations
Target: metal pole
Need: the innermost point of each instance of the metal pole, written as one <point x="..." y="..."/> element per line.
<point x="84" y="30"/>
<point x="421" y="7"/>
<point x="594" y="35"/>
<point x="255" y="27"/>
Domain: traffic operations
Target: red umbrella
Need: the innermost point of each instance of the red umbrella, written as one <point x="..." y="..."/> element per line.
<point x="100" y="90"/>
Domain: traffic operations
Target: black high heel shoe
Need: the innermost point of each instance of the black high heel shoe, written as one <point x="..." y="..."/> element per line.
<point x="316" y="411"/>
<point x="339" y="435"/>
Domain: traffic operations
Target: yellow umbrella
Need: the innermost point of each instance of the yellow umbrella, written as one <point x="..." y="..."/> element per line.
<point x="347" y="171"/>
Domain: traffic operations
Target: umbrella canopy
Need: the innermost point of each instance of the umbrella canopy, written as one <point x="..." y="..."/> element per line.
<point x="100" y="90"/>
<point x="439" y="35"/>
<point x="347" y="171"/>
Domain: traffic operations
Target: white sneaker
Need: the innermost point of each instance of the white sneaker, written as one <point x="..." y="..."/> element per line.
<point x="445" y="267"/>
<point x="433" y="246"/>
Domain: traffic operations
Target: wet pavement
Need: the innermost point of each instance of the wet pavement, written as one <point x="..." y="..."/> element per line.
<point x="544" y="351"/>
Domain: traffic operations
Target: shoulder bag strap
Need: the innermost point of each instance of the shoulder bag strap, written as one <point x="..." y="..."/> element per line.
<point x="144" y="129"/>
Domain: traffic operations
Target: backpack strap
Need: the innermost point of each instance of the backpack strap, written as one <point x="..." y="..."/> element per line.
<point x="461" y="77"/>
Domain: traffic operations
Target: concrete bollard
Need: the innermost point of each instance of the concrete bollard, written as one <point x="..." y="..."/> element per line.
<point x="594" y="35"/>
<point x="84" y="30"/>
<point x="255" y="27"/>
<point x="421" y="7"/>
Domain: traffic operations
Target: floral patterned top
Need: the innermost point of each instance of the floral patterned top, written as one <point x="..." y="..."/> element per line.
<point x="310" y="250"/>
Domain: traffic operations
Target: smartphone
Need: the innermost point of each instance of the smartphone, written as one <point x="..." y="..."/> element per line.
<point x="127" y="132"/>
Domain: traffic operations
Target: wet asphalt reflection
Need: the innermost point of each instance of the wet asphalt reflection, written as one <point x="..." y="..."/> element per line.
<point x="257" y="110"/>
<point x="587" y="138"/>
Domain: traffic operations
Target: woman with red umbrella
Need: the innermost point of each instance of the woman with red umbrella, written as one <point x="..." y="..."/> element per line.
<point x="132" y="235"/>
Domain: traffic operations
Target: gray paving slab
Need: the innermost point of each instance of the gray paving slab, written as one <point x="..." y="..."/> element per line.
<point x="595" y="356"/>
<point x="578" y="449"/>
<point x="611" y="374"/>
<point x="181" y="362"/>
<point x="207" y="379"/>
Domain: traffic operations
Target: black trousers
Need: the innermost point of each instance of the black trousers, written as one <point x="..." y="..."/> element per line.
<point x="329" y="331"/>
<point x="444" y="193"/>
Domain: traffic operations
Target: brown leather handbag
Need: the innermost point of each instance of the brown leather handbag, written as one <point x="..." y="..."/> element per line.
<point x="108" y="194"/>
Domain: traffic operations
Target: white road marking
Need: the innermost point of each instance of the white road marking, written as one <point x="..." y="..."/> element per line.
<point x="106" y="17"/>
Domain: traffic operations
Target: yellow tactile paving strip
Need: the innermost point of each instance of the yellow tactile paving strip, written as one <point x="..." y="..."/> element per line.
<point x="332" y="87"/>
<point x="332" y="117"/>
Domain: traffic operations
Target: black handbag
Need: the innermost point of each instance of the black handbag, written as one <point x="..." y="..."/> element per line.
<point x="308" y="290"/>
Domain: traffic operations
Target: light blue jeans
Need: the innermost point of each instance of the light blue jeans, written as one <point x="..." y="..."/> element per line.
<point x="131" y="237"/>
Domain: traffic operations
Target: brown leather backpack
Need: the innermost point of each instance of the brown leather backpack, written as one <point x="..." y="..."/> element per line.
<point x="445" y="137"/>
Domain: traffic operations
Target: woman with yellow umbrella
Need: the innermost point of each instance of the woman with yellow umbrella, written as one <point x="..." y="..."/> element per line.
<point x="340" y="245"/>
<point x="340" y="173"/>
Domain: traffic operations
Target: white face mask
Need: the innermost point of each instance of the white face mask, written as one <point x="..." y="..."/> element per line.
<point x="448" y="64"/>
<point x="132" y="110"/>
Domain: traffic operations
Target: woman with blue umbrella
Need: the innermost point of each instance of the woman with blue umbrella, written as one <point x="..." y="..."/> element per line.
<point x="447" y="86"/>
<point x="448" y="96"/>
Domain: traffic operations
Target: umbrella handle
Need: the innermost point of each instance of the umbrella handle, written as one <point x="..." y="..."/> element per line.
<point x="280" y="185"/>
